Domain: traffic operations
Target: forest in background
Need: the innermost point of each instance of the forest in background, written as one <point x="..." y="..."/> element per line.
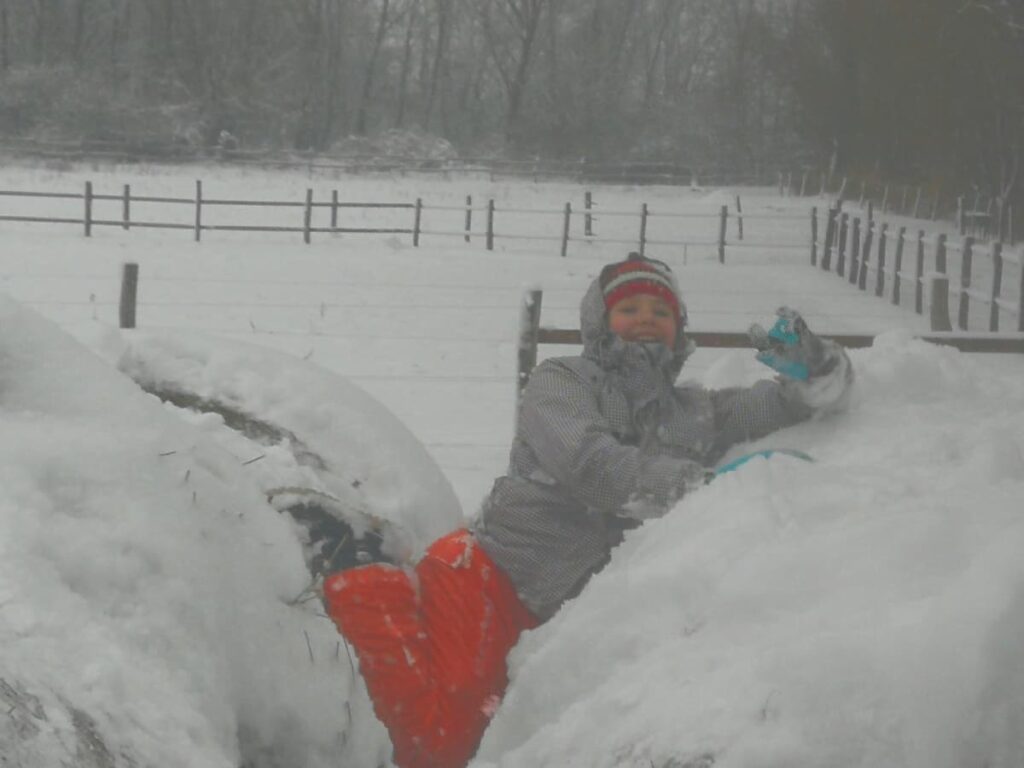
<point x="922" y="91"/>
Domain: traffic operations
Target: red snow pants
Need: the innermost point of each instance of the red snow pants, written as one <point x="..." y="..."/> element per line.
<point x="432" y="646"/>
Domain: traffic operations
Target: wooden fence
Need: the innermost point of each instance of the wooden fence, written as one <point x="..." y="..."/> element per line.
<point x="718" y="237"/>
<point x="862" y="253"/>
<point x="975" y="214"/>
<point x="532" y="334"/>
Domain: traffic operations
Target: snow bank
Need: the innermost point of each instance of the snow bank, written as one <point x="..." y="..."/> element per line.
<point x="145" y="586"/>
<point x="864" y="610"/>
<point x="367" y="457"/>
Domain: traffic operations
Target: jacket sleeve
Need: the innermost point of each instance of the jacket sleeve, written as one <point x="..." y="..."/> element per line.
<point x="562" y="424"/>
<point x="743" y="414"/>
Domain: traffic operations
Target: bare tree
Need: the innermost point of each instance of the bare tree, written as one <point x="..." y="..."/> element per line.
<point x="510" y="27"/>
<point x="371" y="66"/>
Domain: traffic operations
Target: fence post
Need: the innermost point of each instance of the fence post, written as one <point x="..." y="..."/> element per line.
<point x="307" y="216"/>
<point x="965" y="283"/>
<point x="723" y="220"/>
<point x="883" y="239"/>
<point x="1020" y="301"/>
<point x="885" y="199"/>
<point x="565" y="229"/>
<point x="935" y="203"/>
<point x="416" y="222"/>
<point x="830" y="236"/>
<point x="469" y="216"/>
<point x="87" y="219"/>
<point x="855" y="250"/>
<point x="898" y="266"/>
<point x="863" y="189"/>
<point x="129" y="292"/>
<point x="919" y="274"/>
<point x="917" y="202"/>
<point x="643" y="228"/>
<point x="871" y="212"/>
<point x="869" y="235"/>
<point x="940" y="253"/>
<point x="529" y="324"/>
<point x="997" y="285"/>
<point x="844" y="220"/>
<point x="126" y="208"/>
<point x="814" y="236"/>
<point x="939" y="319"/>
<point x="903" y="202"/>
<point x="334" y="209"/>
<point x="490" y="225"/>
<point x="803" y="183"/>
<point x="739" y="218"/>
<point x="961" y="219"/>
<point x="588" y="222"/>
<point x="199" y="209"/>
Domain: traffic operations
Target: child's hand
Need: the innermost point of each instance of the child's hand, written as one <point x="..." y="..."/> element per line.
<point x="790" y="348"/>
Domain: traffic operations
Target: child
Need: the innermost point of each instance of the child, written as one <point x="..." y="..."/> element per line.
<point x="603" y="441"/>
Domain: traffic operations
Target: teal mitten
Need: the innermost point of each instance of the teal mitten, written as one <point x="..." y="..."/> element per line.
<point x="790" y="348"/>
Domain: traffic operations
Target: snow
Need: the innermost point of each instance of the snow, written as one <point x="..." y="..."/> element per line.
<point x="852" y="612"/>
<point x="862" y="610"/>
<point x="145" y="584"/>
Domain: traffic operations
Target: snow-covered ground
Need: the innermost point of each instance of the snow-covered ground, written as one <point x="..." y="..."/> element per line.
<point x="862" y="610"/>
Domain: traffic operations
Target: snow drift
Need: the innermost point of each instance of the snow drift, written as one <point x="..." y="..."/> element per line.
<point x="146" y="586"/>
<point x="864" y="610"/>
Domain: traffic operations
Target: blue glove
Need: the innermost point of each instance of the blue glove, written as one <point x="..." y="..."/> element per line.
<point x="790" y="348"/>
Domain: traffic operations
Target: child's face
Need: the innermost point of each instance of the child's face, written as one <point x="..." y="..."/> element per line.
<point x="643" y="317"/>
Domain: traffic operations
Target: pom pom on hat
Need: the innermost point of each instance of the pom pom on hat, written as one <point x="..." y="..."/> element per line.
<point x="637" y="275"/>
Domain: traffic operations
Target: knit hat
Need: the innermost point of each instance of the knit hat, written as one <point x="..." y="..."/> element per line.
<point x="638" y="274"/>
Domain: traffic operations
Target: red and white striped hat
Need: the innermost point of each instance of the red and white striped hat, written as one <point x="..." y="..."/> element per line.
<point x="638" y="274"/>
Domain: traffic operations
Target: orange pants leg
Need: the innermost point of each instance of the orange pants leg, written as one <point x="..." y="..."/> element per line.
<point x="432" y="648"/>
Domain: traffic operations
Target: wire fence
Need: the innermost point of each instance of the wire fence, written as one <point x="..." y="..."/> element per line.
<point x="486" y="224"/>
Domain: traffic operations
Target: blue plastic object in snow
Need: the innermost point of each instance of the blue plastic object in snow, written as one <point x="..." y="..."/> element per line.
<point x="767" y="453"/>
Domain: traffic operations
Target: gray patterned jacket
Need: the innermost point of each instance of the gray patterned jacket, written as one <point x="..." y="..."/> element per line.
<point x="605" y="439"/>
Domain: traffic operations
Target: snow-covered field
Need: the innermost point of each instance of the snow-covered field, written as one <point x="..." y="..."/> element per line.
<point x="863" y="610"/>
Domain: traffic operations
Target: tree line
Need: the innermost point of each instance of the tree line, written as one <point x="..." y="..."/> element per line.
<point x="928" y="91"/>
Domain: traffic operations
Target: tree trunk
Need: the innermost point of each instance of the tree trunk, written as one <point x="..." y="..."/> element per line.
<point x="364" y="103"/>
<point x="76" y="49"/>
<point x="5" y="57"/>
<point x="443" y="7"/>
<point x="528" y="14"/>
<point x="403" y="82"/>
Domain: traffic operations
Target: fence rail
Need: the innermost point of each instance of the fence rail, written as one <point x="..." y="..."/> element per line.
<point x="532" y="334"/>
<point x="480" y="221"/>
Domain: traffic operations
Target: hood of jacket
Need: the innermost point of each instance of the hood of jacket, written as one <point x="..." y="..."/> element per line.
<point x="613" y="353"/>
